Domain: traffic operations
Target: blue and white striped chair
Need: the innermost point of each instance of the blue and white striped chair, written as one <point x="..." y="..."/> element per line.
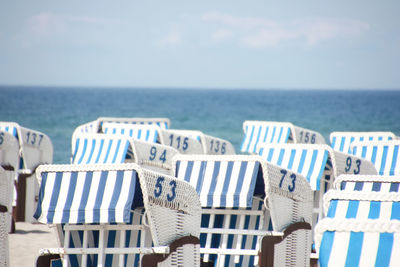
<point x="9" y="162"/>
<point x="367" y="183"/>
<point x="96" y="125"/>
<point x="256" y="132"/>
<point x="361" y="228"/>
<point x="118" y="215"/>
<point x="245" y="202"/>
<point x="35" y="148"/>
<point x="384" y="155"/>
<point x="349" y="242"/>
<point x="341" y="141"/>
<point x="116" y="149"/>
<point x="320" y="164"/>
<point x="145" y="132"/>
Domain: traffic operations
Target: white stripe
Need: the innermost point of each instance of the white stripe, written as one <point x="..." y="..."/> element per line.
<point x="389" y="160"/>
<point x="378" y="159"/>
<point x="206" y="183"/>
<point x="194" y="176"/>
<point x="270" y="137"/>
<point x="317" y="168"/>
<point x="92" y="197"/>
<point x="395" y="259"/>
<point x="47" y="196"/>
<point x="369" y="249"/>
<point x="233" y="183"/>
<point x="79" y="149"/>
<point x="103" y="153"/>
<point x="341" y="208"/>
<point x="385" y="187"/>
<point x="386" y="210"/>
<point x="182" y="170"/>
<point x="86" y="153"/>
<point x="368" y="155"/>
<point x="296" y="161"/>
<point x="339" y="249"/>
<point x="349" y="186"/>
<point x="286" y="158"/>
<point x="253" y="143"/>
<point x="220" y="184"/>
<point x="275" y="155"/>
<point x="62" y="197"/>
<point x="96" y="151"/>
<point x="363" y="210"/>
<point x="123" y="196"/>
<point x="397" y="166"/>
<point x="246" y="184"/>
<point x="80" y="182"/>
<point x="108" y="192"/>
<point x="367" y="187"/>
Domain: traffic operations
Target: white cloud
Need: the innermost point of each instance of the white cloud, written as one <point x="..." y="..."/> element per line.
<point x="222" y="35"/>
<point x="259" y="32"/>
<point x="173" y="37"/>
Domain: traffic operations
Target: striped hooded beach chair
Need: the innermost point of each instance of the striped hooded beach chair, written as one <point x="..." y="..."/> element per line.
<point x="9" y="162"/>
<point x="116" y="149"/>
<point x="319" y="164"/>
<point x="367" y="183"/>
<point x="253" y="213"/>
<point x="256" y="132"/>
<point x="361" y="228"/>
<point x="341" y="141"/>
<point x="119" y="215"/>
<point x="35" y="148"/>
<point x="97" y="125"/>
<point x="384" y="155"/>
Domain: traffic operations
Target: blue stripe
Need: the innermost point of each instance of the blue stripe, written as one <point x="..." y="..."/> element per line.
<point x="38" y="211"/>
<point x="110" y="244"/>
<point x="280" y="158"/>
<point x="210" y="194"/>
<point x="273" y="134"/>
<point x="384" y="249"/>
<point x="374" y="151"/>
<point x="291" y="160"/>
<point x="116" y="153"/>
<point x="54" y="196"/>
<point x="91" y="151"/>
<point x="322" y="168"/>
<point x="333" y="142"/>
<point x="76" y="149"/>
<point x="341" y="148"/>
<point x="376" y="187"/>
<point x="227" y="180"/>
<point x="242" y="173"/>
<point x="252" y="184"/>
<point x="280" y="135"/>
<point x="100" y="150"/>
<point x="354" y="249"/>
<point x="188" y="172"/>
<point x="244" y="139"/>
<point x="131" y="197"/>
<point x="108" y="151"/>
<point x="85" y="197"/>
<point x="374" y="209"/>
<point x="270" y="154"/>
<point x="114" y="199"/>
<point x="251" y="137"/>
<point x="383" y="161"/>
<point x="332" y="208"/>
<point x="352" y="209"/>
<point x="147" y="135"/>
<point x="99" y="196"/>
<point x="83" y="151"/>
<point x="394" y="187"/>
<point x="70" y="197"/>
<point x="310" y="171"/>
<point x="302" y="160"/>
<point x="395" y="211"/>
<point x="326" y="248"/>
<point x="201" y="176"/>
<point x="258" y="137"/>
<point x="394" y="160"/>
<point x="358" y="186"/>
<point x="266" y="133"/>
<point x="351" y="141"/>
<point x="363" y="152"/>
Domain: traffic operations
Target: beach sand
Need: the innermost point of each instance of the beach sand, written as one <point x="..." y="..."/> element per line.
<point x="26" y="242"/>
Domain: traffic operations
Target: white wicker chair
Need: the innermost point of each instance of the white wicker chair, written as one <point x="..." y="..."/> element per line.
<point x="341" y="141"/>
<point x="35" y="148"/>
<point x="120" y="215"/>
<point x="248" y="207"/>
<point x="385" y="155"/>
<point x="256" y="132"/>
<point x="4" y="216"/>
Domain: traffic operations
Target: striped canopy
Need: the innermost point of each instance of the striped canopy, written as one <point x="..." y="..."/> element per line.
<point x="384" y="155"/>
<point x="141" y="132"/>
<point x="341" y="141"/>
<point x="263" y="132"/>
<point x="308" y="160"/>
<point x="86" y="196"/>
<point x="225" y="184"/>
<point x="10" y="128"/>
<point x="99" y="149"/>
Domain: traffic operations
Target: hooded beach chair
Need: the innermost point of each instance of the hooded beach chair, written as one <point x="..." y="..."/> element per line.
<point x="35" y="148"/>
<point x="367" y="183"/>
<point x="253" y="213"/>
<point x="116" y="149"/>
<point x="320" y="164"/>
<point x="341" y="141"/>
<point x="9" y="162"/>
<point x="5" y="215"/>
<point x="384" y="155"/>
<point x="350" y="242"/>
<point x="361" y="228"/>
<point x="196" y="142"/>
<point x="256" y="132"/>
<point x="96" y="125"/>
<point x="119" y="215"/>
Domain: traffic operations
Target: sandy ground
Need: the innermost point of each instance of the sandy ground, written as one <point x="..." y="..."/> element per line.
<point x="26" y="242"/>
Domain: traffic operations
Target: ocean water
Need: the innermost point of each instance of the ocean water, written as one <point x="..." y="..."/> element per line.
<point x="58" y="111"/>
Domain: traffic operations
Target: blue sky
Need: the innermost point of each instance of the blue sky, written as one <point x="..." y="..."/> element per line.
<point x="201" y="44"/>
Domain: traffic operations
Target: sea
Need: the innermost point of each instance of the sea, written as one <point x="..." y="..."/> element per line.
<point x="57" y="111"/>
